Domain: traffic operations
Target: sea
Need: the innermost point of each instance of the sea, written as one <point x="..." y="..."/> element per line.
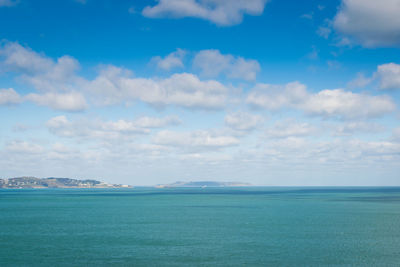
<point x="243" y="226"/>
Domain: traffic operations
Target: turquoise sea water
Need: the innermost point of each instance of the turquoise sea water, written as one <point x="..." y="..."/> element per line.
<point x="200" y="227"/>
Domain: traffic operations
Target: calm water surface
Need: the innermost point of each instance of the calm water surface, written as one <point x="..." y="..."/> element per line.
<point x="200" y="227"/>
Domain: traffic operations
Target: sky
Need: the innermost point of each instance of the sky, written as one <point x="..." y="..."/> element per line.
<point x="269" y="92"/>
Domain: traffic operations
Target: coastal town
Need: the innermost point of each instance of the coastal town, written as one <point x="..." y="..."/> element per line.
<point x="52" y="182"/>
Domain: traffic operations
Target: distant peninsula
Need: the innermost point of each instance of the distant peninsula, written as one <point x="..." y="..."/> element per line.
<point x="203" y="184"/>
<point x="52" y="182"/>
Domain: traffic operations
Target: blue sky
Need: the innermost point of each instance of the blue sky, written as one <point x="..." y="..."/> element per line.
<point x="272" y="92"/>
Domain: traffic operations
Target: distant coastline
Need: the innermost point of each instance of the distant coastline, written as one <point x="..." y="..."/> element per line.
<point x="52" y="182"/>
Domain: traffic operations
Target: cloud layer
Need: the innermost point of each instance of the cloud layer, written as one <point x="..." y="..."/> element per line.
<point x="336" y="103"/>
<point x="227" y="117"/>
<point x="114" y="85"/>
<point x="171" y="61"/>
<point x="212" y="63"/>
<point x="107" y="130"/>
<point x="9" y="96"/>
<point x="222" y="13"/>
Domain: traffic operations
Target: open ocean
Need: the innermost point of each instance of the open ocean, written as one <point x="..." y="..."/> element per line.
<point x="255" y="226"/>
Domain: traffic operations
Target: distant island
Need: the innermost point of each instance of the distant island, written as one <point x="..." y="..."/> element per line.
<point x="203" y="184"/>
<point x="52" y="182"/>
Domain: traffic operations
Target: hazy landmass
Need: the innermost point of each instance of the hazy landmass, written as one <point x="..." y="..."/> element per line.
<point x="52" y="182"/>
<point x="203" y="184"/>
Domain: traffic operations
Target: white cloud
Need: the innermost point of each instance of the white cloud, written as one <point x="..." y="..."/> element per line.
<point x="59" y="77"/>
<point x="198" y="139"/>
<point x="23" y="147"/>
<point x="274" y="97"/>
<point x="45" y="75"/>
<point x="326" y="103"/>
<point x="375" y="148"/>
<point x="8" y="3"/>
<point x="389" y="75"/>
<point x="349" y="154"/>
<point x="223" y="13"/>
<point x="40" y="71"/>
<point x="372" y="23"/>
<point x="290" y="128"/>
<point x="98" y="129"/>
<point x="360" y="81"/>
<point x="212" y="63"/>
<point x="152" y="122"/>
<point x="171" y="61"/>
<point x="114" y="85"/>
<point x="243" y="121"/>
<point x="9" y="97"/>
<point x="15" y="57"/>
<point x="72" y="101"/>
<point x="324" y="32"/>
<point x="351" y="128"/>
<point x="62" y="127"/>
<point x="340" y="103"/>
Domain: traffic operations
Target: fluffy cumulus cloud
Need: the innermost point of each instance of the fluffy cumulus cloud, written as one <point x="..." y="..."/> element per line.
<point x="171" y="61"/>
<point x="212" y="63"/>
<point x="9" y="97"/>
<point x="38" y="70"/>
<point x="389" y="75"/>
<point x="371" y="23"/>
<point x="274" y="97"/>
<point x="290" y="128"/>
<point x="115" y="85"/>
<point x="223" y="13"/>
<point x="345" y="104"/>
<point x="107" y="130"/>
<point x="360" y="81"/>
<point x="336" y="103"/>
<point x="243" y="121"/>
<point x="72" y="101"/>
<point x="15" y="57"/>
<point x="152" y="122"/>
<point x="194" y="139"/>
<point x="56" y="80"/>
<point x="61" y="88"/>
<point x="60" y="76"/>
